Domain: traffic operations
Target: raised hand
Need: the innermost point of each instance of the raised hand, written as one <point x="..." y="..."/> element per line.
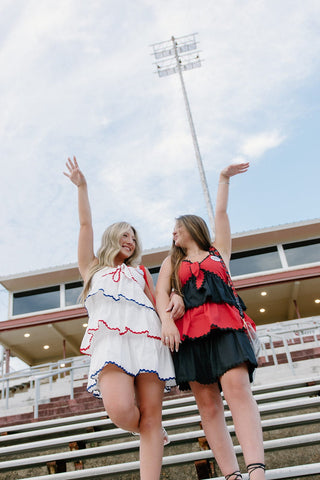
<point x="235" y="169"/>
<point x="75" y="174"/>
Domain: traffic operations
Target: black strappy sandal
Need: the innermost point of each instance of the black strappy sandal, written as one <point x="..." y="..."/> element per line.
<point x="254" y="466"/>
<point x="237" y="476"/>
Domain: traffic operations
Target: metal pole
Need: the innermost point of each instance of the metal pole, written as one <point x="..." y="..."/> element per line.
<point x="195" y="142"/>
<point x="7" y="361"/>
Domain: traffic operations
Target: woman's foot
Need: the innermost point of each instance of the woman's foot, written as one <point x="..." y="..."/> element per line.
<point x="166" y="439"/>
<point x="255" y="466"/>
<point x="234" y="476"/>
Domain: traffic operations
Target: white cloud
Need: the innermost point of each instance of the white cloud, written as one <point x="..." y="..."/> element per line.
<point x="77" y="78"/>
<point x="257" y="145"/>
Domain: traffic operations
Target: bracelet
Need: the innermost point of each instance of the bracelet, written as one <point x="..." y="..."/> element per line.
<point x="224" y="183"/>
<point x="174" y="292"/>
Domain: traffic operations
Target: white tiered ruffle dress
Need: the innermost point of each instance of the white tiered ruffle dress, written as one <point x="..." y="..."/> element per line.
<point x="123" y="327"/>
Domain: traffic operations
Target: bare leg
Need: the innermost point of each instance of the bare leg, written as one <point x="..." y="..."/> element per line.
<point x="117" y="389"/>
<point x="149" y="391"/>
<point x="237" y="392"/>
<point x="211" y="409"/>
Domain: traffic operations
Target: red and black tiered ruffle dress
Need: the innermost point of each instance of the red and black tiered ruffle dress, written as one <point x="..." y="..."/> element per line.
<point x="211" y="330"/>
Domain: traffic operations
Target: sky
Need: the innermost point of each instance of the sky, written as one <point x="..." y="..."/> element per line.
<point x="78" y="78"/>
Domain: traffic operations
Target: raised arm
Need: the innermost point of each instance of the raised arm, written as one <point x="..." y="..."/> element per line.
<point x="170" y="333"/>
<point x="222" y="226"/>
<point x="85" y="245"/>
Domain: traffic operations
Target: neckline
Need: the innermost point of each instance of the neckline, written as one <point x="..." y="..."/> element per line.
<point x="189" y="261"/>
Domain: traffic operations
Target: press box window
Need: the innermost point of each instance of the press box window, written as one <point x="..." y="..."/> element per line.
<point x="36" y="300"/>
<point x="73" y="292"/>
<point x="254" y="261"/>
<point x="154" y="274"/>
<point x="299" y="253"/>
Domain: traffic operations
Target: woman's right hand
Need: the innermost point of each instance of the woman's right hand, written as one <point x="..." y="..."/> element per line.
<point x="75" y="174"/>
<point x="170" y="336"/>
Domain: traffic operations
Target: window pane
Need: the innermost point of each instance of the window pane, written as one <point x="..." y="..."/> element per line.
<point x="255" y="261"/>
<point x="302" y="252"/>
<point x="73" y="292"/>
<point x="36" y="300"/>
<point x="154" y="274"/>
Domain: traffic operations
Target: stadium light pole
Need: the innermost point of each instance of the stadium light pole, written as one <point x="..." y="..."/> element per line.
<point x="174" y="56"/>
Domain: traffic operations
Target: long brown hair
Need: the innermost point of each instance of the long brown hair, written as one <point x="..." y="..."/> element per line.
<point x="199" y="232"/>
<point x="109" y="249"/>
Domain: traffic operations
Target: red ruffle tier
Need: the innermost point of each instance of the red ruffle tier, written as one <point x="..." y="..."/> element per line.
<point x="199" y="321"/>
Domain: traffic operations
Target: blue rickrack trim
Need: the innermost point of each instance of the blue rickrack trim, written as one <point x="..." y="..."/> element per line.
<point x="92" y="388"/>
<point x="118" y="299"/>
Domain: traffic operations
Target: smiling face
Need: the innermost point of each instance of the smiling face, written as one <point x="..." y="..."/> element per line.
<point x="127" y="243"/>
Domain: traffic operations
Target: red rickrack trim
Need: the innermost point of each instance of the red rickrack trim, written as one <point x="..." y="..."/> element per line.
<point x="92" y="331"/>
<point x="116" y="274"/>
<point x="201" y="274"/>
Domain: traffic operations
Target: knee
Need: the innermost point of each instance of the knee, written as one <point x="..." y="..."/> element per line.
<point x="238" y="392"/>
<point x="150" y="418"/>
<point x="210" y="410"/>
<point x="119" y="412"/>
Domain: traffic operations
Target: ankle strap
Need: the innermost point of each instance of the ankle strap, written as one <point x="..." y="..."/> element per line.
<point x="237" y="476"/>
<point x="254" y="466"/>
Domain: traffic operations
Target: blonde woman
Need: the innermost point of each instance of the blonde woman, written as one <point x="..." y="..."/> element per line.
<point x="212" y="350"/>
<point x="129" y="364"/>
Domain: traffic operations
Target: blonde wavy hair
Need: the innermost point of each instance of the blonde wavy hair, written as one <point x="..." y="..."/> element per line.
<point x="109" y="249"/>
<point x="199" y="232"/>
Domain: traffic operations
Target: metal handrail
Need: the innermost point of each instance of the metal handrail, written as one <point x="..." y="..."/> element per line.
<point x="302" y="329"/>
<point x="36" y="374"/>
<point x="49" y="375"/>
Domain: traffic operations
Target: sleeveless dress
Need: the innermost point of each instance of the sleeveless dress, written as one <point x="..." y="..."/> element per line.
<point x="123" y="328"/>
<point x="211" y="331"/>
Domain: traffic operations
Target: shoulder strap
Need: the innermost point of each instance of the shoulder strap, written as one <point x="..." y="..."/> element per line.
<point x="143" y="268"/>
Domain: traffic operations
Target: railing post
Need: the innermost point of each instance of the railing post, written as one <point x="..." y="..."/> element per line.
<point x="285" y="342"/>
<point x="50" y="378"/>
<point x="274" y="355"/>
<point x="71" y="384"/>
<point x="36" y="397"/>
<point x="7" y="394"/>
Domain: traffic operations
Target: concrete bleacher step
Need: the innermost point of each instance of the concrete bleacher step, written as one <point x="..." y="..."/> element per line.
<point x="178" y="400"/>
<point x="274" y="401"/>
<point x="127" y="446"/>
<point x="184" y="405"/>
<point x="85" y="403"/>
<point x="105" y="428"/>
<point x="302" y="397"/>
<point x="180" y="459"/>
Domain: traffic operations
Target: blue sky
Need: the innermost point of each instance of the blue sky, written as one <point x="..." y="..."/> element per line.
<point x="78" y="79"/>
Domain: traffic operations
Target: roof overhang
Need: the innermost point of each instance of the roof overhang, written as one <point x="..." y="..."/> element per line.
<point x="240" y="241"/>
